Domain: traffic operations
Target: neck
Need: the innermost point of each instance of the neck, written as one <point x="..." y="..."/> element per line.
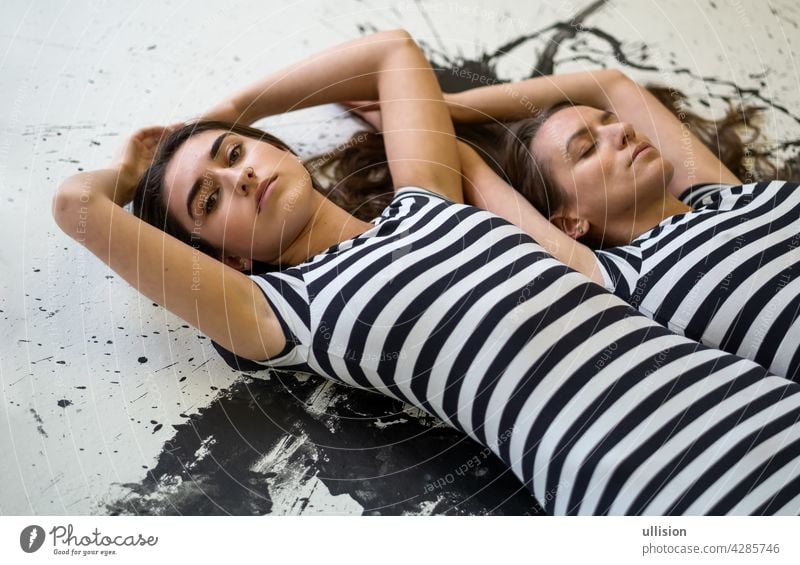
<point x="328" y="226"/>
<point x="646" y="218"/>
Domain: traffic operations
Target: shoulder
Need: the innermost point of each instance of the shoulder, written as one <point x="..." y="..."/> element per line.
<point x="285" y="289"/>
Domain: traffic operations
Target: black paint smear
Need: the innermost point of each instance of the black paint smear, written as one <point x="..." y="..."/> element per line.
<point x="63" y="403"/>
<point x="451" y="80"/>
<point x="388" y="471"/>
<point x="142" y="359"/>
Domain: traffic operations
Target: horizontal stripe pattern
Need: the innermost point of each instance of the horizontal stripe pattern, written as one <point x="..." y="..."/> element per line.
<point x="596" y="408"/>
<point x="724" y="274"/>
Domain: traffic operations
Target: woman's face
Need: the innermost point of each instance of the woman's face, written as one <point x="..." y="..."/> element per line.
<point x="219" y="185"/>
<point x="606" y="170"/>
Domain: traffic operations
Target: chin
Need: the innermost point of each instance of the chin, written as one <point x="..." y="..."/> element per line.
<point x="655" y="178"/>
<point x="666" y="169"/>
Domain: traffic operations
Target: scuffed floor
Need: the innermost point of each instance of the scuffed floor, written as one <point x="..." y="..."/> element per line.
<point x="112" y="405"/>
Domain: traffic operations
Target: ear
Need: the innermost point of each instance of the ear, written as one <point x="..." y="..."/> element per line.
<point x="576" y="228"/>
<point x="238" y="263"/>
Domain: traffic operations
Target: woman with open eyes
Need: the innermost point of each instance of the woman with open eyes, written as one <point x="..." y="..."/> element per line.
<point x="597" y="409"/>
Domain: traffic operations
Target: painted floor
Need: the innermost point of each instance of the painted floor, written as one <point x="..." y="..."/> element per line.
<point x="111" y="405"/>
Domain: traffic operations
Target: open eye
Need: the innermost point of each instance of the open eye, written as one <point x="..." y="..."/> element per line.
<point x="234" y="153"/>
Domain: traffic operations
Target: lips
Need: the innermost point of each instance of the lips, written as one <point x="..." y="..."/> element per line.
<point x="262" y="191"/>
<point x="639" y="148"/>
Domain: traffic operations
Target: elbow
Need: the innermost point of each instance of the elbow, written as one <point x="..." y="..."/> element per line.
<point x="68" y="208"/>
<point x="612" y="89"/>
<point x="614" y="77"/>
<point x="398" y="38"/>
<point x="397" y="49"/>
<point x="61" y="205"/>
<point x="400" y="34"/>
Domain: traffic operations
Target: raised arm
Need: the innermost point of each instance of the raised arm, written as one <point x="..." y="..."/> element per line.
<point x="389" y="67"/>
<point x="484" y="189"/>
<point x="609" y="90"/>
<point x="220" y="301"/>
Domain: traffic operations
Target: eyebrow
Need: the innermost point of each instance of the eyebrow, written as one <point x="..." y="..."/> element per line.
<point x="584" y="130"/>
<point x="198" y="184"/>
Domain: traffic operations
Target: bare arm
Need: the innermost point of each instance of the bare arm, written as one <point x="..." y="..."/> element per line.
<point x="389" y="67"/>
<point x="484" y="189"/>
<point x="609" y="90"/>
<point x="221" y="302"/>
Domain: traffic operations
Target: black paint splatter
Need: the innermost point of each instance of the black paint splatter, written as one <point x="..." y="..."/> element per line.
<point x="388" y="470"/>
<point x="38" y="419"/>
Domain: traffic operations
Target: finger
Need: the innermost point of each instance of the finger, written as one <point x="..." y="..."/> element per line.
<point x="153" y="135"/>
<point x="141" y="135"/>
<point x="157" y="131"/>
<point x="150" y="130"/>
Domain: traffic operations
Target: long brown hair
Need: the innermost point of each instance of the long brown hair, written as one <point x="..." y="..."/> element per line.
<point x="360" y="168"/>
<point x="744" y="156"/>
<point x="357" y="175"/>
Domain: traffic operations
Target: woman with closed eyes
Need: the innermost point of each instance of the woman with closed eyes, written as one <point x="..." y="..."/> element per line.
<point x="621" y="188"/>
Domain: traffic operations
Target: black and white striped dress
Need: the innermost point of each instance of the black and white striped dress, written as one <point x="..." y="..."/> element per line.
<point x="596" y="408"/>
<point x="724" y="274"/>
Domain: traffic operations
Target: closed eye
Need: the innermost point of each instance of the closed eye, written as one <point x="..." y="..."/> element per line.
<point x="588" y="150"/>
<point x="607" y="118"/>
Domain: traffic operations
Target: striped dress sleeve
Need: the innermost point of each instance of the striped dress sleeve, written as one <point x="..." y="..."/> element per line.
<point x="621" y="269"/>
<point x="286" y="294"/>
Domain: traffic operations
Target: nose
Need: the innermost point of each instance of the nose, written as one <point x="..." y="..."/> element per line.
<point x="621" y="133"/>
<point x="244" y="180"/>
